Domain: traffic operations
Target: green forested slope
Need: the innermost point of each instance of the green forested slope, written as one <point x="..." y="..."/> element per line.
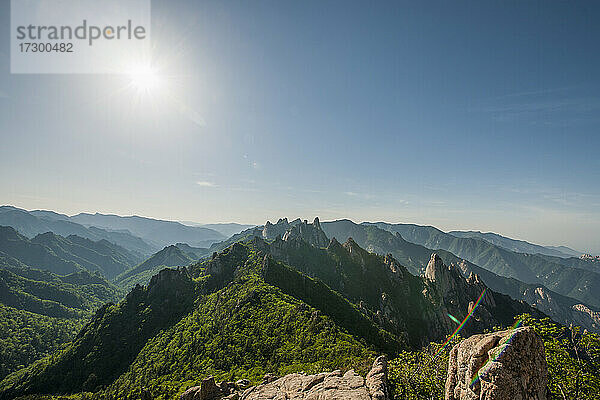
<point x="573" y="358"/>
<point x="245" y="330"/>
<point x="259" y="307"/>
<point x="41" y="311"/>
<point x="246" y="326"/>
<point x="26" y="337"/>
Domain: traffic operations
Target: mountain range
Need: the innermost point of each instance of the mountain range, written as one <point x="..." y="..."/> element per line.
<point x="140" y="235"/>
<point x="298" y="302"/>
<point x="569" y="277"/>
<point x="519" y="246"/>
<point x="352" y="289"/>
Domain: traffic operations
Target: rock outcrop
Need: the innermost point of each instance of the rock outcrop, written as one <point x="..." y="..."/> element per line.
<point x="507" y="365"/>
<point x="326" y="385"/>
<point x="456" y="295"/>
<point x="271" y="231"/>
<point x="310" y="233"/>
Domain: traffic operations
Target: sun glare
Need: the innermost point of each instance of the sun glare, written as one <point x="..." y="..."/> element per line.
<point x="144" y="78"/>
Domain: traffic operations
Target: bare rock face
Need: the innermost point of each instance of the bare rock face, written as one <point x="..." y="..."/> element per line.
<point x="507" y="365"/>
<point x="376" y="379"/>
<point x="209" y="390"/>
<point x="327" y="385"/>
<point x="310" y="233"/>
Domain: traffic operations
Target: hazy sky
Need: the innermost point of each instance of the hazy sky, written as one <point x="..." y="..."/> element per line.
<point x="461" y="115"/>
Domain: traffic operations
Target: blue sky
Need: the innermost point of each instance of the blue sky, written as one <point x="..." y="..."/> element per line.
<point x="461" y="115"/>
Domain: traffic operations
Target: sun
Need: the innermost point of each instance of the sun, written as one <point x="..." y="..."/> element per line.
<point x="144" y="78"/>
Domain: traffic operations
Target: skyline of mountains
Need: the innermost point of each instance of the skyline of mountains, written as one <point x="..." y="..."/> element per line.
<point x="391" y="286"/>
<point x="226" y="230"/>
<point x="295" y="292"/>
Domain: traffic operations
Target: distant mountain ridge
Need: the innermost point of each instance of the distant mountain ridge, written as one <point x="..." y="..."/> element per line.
<point x="64" y="256"/>
<point x="563" y="309"/>
<point x="157" y="232"/>
<point x="519" y="246"/>
<point x="170" y="256"/>
<point x="140" y="234"/>
<point x="568" y="280"/>
<point x="34" y="223"/>
<point x="226" y="229"/>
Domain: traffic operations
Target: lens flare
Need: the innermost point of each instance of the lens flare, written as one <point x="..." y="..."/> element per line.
<point x="462" y="324"/>
<point x="453" y="318"/>
<point x="485" y="367"/>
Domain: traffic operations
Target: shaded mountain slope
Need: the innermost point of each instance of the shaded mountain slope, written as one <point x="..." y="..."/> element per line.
<point x="576" y="262"/>
<point x="580" y="284"/>
<point x="415" y="257"/>
<point x="519" y="246"/>
<point x="34" y="254"/>
<point x="157" y="232"/>
<point x="63" y="256"/>
<point x="32" y="223"/>
<point x="102" y="255"/>
<point x="170" y="256"/>
<point x="195" y="253"/>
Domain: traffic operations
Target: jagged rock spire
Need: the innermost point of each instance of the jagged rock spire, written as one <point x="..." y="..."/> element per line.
<point x="310" y="233"/>
<point x="435" y="268"/>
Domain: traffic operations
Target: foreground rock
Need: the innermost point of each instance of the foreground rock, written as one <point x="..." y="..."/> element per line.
<point x="507" y="365"/>
<point x="326" y="385"/>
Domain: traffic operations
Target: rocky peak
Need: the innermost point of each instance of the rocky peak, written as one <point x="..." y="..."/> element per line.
<point x="271" y="231"/>
<point x="325" y="385"/>
<point x="170" y="284"/>
<point x="356" y="252"/>
<point x="446" y="279"/>
<point x="435" y="268"/>
<point x="310" y="233"/>
<point x="503" y="365"/>
<point x="316" y="223"/>
<point x="395" y="268"/>
<point x="350" y="245"/>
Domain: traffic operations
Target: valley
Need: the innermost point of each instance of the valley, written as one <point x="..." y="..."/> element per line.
<point x="311" y="296"/>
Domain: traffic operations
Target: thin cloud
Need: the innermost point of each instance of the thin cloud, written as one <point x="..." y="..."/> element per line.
<point x="206" y="184"/>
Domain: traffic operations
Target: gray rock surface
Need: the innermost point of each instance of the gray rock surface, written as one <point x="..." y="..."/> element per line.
<point x="511" y="365"/>
<point x="324" y="386"/>
<point x="310" y="233"/>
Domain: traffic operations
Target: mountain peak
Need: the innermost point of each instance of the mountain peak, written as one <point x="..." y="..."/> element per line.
<point x="310" y="233"/>
<point x="435" y="268"/>
<point x="333" y="243"/>
<point x="9" y="232"/>
<point x="356" y="252"/>
<point x="316" y="223"/>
